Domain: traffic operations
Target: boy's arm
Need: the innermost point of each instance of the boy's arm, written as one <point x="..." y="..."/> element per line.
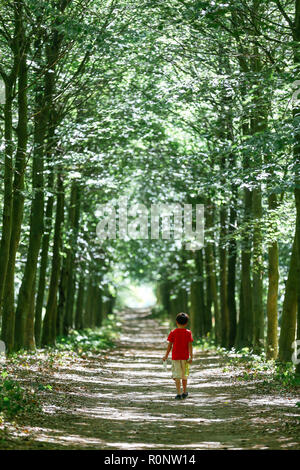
<point x="191" y="350"/>
<point x="169" y="347"/>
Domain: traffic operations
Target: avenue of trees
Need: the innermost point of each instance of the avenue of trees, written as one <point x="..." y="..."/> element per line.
<point x="189" y="102"/>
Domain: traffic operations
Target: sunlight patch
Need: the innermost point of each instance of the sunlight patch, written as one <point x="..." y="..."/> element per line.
<point x="137" y="296"/>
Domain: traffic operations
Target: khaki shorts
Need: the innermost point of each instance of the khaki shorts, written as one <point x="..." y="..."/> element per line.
<point x="180" y="369"/>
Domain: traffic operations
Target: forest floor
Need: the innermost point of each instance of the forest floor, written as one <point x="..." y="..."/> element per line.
<point x="124" y="399"/>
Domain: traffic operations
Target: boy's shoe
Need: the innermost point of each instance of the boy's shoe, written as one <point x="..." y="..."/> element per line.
<point x="178" y="397"/>
<point x="184" y="395"/>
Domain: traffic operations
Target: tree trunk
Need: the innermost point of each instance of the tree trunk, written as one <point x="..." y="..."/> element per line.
<point x="273" y="276"/>
<point x="231" y="280"/>
<point x="257" y="270"/>
<point x="36" y="221"/>
<point x="98" y="306"/>
<point x="289" y="311"/>
<point x="258" y="124"/>
<point x="44" y="259"/>
<point x="74" y="227"/>
<point x="79" y="325"/>
<point x="9" y="81"/>
<point x="8" y="320"/>
<point x="245" y="325"/>
<point x="208" y="295"/>
<point x="49" y="325"/>
<point x="223" y="280"/>
<point x="29" y="341"/>
<point x="62" y="287"/>
<point x="88" y="304"/>
<point x="8" y="186"/>
<point x="296" y="116"/>
<point x="211" y="270"/>
<point x="196" y="313"/>
<point x="204" y="325"/>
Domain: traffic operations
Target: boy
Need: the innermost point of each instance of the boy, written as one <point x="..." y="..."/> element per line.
<point x="181" y="339"/>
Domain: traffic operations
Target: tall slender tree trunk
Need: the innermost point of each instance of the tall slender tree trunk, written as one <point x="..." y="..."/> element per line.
<point x="223" y="280"/>
<point x="36" y="220"/>
<point x="88" y="316"/>
<point x="29" y="340"/>
<point x="204" y="322"/>
<point x="289" y="311"/>
<point x="8" y="320"/>
<point x="74" y="227"/>
<point x="62" y="288"/>
<point x="98" y="306"/>
<point x="258" y="124"/>
<point x="232" y="220"/>
<point x="45" y="249"/>
<point x="196" y="310"/>
<point x="8" y="185"/>
<point x="296" y="116"/>
<point x="52" y="51"/>
<point x="211" y="267"/>
<point x="9" y="81"/>
<point x="49" y="324"/>
<point x="79" y="323"/>
<point x="42" y="122"/>
<point x="231" y="281"/>
<point x="246" y="312"/>
<point x="272" y="300"/>
<point x="257" y="272"/>
<point x="208" y="295"/>
<point x="245" y="323"/>
<point x="241" y="318"/>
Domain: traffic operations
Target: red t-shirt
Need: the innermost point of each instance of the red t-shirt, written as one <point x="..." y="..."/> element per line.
<point x="180" y="337"/>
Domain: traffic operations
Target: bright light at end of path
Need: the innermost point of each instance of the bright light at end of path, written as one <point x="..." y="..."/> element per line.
<point x="141" y="296"/>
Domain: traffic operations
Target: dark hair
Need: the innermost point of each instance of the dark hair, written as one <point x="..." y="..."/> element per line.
<point x="182" y="318"/>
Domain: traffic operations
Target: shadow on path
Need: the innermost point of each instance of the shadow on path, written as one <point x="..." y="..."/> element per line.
<point x="127" y="402"/>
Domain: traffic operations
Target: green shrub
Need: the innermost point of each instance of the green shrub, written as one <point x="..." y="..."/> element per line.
<point x="91" y="340"/>
<point x="14" y="398"/>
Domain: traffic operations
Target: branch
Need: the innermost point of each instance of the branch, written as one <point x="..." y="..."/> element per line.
<point x="284" y="14"/>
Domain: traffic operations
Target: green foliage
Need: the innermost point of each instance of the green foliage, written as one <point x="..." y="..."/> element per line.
<point x="285" y="374"/>
<point x="155" y="100"/>
<point x="256" y="366"/>
<point x="16" y="399"/>
<point x="206" y="343"/>
<point x="91" y="340"/>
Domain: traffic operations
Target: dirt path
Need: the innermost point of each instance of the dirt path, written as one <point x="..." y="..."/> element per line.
<point x="127" y="402"/>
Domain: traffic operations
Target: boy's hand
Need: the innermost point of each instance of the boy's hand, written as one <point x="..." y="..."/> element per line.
<point x="165" y="358"/>
<point x="190" y="360"/>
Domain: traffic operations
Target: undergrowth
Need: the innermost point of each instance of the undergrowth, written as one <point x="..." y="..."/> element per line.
<point x="91" y="340"/>
<point x="18" y="396"/>
<point x="16" y="399"/>
<point x="257" y="367"/>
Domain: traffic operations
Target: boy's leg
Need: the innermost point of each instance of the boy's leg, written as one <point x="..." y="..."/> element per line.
<point x="178" y="386"/>
<point x="176" y="373"/>
<point x="185" y="373"/>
